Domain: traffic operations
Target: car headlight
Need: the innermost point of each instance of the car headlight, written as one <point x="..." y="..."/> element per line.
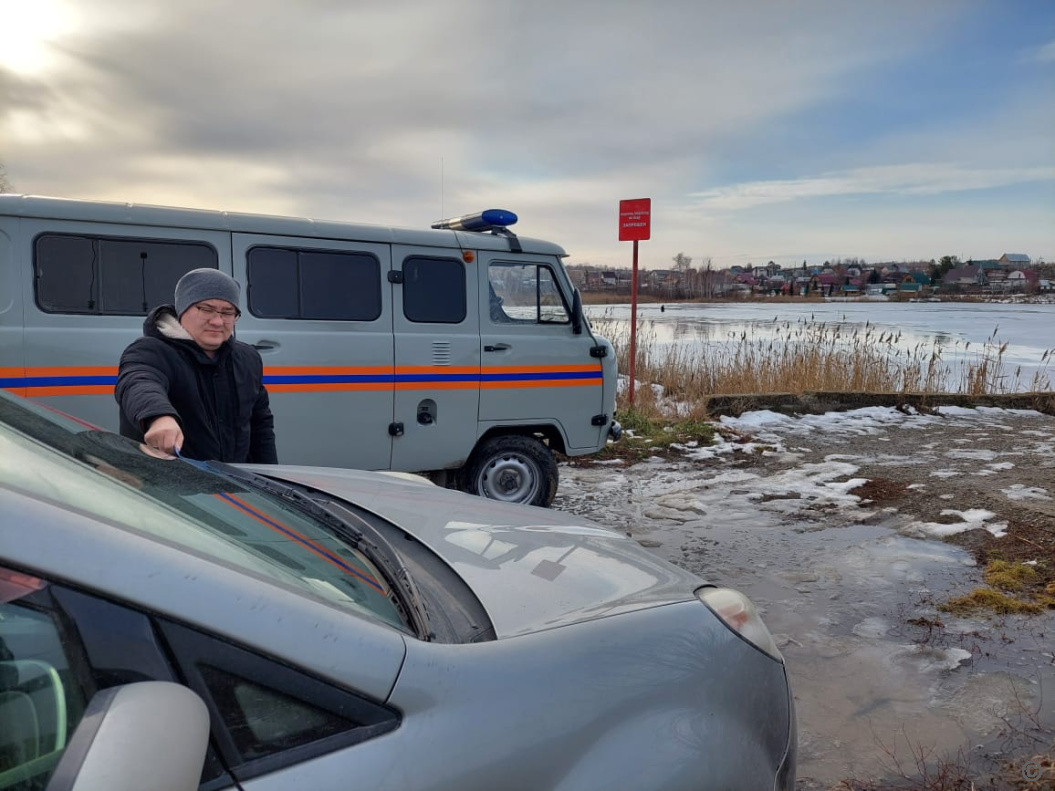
<point x="739" y="614"/>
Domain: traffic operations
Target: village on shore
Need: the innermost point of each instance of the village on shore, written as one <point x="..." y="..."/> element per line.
<point x="1013" y="274"/>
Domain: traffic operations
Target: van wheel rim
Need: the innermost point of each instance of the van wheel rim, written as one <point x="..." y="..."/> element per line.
<point x="509" y="478"/>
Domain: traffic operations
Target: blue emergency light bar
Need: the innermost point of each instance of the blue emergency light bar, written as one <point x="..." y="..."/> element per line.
<point x="488" y="220"/>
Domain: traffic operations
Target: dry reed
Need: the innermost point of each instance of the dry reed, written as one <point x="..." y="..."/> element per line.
<point x="800" y="357"/>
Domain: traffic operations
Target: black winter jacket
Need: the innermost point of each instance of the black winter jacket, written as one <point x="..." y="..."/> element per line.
<point x="220" y="402"/>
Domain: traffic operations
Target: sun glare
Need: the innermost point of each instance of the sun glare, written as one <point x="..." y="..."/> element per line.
<point x="30" y="30"/>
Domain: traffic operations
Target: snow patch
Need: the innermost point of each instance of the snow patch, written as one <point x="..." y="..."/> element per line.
<point x="971" y="519"/>
<point x="1020" y="491"/>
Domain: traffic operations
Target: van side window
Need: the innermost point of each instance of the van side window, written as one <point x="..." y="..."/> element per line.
<point x="434" y="290"/>
<point x="525" y="294"/>
<point x="287" y="283"/>
<point x="112" y="276"/>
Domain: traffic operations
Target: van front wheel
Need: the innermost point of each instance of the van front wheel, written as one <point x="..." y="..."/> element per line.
<point x="514" y="469"/>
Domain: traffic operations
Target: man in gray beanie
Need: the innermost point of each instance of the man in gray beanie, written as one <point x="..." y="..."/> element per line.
<point x="187" y="385"/>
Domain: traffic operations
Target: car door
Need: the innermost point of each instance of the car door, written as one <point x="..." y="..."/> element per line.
<point x="437" y="348"/>
<point x="59" y="646"/>
<point x="320" y="313"/>
<point x="535" y="368"/>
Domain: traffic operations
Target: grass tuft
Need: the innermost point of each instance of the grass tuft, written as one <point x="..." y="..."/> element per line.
<point x="1008" y="576"/>
<point x="992" y="601"/>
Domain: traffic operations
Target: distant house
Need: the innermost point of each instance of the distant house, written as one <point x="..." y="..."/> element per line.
<point x="913" y="282"/>
<point x="964" y="276"/>
<point x="665" y="279"/>
<point x="1018" y="280"/>
<point x="1014" y="260"/>
<point x="828" y="282"/>
<point x="609" y="279"/>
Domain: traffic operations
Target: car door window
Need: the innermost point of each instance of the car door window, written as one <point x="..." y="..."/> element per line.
<point x="41" y="696"/>
<point x="525" y="294"/>
<point x="122" y="646"/>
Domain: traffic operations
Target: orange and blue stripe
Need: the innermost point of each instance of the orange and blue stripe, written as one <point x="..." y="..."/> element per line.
<point x="100" y="380"/>
<point x="59" y="380"/>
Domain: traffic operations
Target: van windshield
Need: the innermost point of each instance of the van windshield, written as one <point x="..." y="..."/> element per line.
<point x="59" y="459"/>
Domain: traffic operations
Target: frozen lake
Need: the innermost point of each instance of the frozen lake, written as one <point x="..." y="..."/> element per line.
<point x="959" y="330"/>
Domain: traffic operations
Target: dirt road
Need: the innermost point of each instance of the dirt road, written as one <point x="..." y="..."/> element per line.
<point x="834" y="528"/>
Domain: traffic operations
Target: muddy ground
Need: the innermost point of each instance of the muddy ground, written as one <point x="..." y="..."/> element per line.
<point x="834" y="533"/>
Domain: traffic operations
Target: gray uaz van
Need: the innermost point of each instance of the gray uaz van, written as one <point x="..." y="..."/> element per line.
<point x="460" y="351"/>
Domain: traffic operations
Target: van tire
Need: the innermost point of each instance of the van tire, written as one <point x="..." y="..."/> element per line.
<point x="514" y="469"/>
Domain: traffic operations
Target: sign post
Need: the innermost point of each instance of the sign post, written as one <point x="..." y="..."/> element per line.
<point x="635" y="224"/>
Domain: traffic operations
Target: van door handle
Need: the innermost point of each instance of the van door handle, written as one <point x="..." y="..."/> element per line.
<point x="498" y="347"/>
<point x="265" y="346"/>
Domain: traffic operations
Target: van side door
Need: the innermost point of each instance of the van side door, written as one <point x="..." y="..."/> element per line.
<point x="535" y="369"/>
<point x="320" y="313"/>
<point x="437" y="342"/>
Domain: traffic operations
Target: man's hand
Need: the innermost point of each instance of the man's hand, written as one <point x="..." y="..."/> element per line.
<point x="164" y="434"/>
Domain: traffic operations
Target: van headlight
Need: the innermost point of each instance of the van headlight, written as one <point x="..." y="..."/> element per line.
<point x="739" y="614"/>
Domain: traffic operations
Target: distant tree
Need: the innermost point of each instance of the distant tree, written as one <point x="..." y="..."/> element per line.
<point x="698" y="281"/>
<point x="681" y="261"/>
<point x="945" y="263"/>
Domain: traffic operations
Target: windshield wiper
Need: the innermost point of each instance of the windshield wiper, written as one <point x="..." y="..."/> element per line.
<point x="407" y="600"/>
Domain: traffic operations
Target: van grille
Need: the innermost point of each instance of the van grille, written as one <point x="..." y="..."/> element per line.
<point x="441" y="353"/>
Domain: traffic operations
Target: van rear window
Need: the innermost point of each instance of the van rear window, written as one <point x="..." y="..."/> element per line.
<point x="287" y="283"/>
<point x="110" y="275"/>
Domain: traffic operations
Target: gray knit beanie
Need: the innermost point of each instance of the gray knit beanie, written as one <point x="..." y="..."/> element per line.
<point x="199" y="285"/>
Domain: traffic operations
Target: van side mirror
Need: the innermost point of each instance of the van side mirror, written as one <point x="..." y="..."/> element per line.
<point x="151" y="734"/>
<point x="576" y="313"/>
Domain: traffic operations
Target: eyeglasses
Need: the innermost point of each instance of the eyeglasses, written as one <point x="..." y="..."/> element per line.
<point x="227" y="316"/>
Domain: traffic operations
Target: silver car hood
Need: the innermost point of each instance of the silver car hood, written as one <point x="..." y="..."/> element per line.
<point x="532" y="568"/>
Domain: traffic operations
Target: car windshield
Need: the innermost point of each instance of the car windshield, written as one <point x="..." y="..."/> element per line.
<point x="57" y="458"/>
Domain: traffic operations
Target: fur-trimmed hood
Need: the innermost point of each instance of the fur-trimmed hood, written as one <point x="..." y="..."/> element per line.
<point x="163" y="323"/>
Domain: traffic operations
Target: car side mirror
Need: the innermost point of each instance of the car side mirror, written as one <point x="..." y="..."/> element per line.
<point x="576" y="313"/>
<point x="151" y="734"/>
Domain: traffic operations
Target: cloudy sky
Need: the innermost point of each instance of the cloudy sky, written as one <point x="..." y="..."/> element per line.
<point x="761" y="129"/>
